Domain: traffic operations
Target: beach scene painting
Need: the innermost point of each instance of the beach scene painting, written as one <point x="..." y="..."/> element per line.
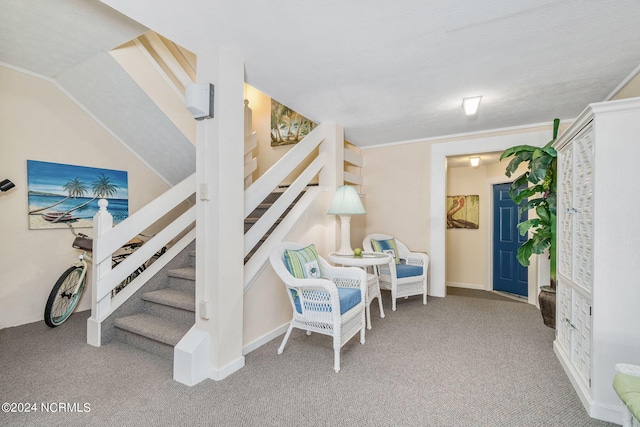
<point x="61" y="194"/>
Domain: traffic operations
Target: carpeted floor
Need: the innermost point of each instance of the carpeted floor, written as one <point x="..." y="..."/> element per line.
<point x="474" y="358"/>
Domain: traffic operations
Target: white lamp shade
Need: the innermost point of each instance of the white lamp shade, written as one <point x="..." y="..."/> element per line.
<point x="346" y="201"/>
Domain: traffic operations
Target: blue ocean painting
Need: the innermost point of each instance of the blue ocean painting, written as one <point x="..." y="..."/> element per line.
<point x="61" y="194"/>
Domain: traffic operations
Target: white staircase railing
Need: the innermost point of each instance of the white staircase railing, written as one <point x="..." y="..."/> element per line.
<point x="264" y="185"/>
<point x="108" y="239"/>
<point x="181" y="230"/>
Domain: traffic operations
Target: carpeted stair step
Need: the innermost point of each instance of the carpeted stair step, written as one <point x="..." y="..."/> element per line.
<point x="151" y="333"/>
<point x="170" y="304"/>
<point x="183" y="279"/>
<point x="249" y="222"/>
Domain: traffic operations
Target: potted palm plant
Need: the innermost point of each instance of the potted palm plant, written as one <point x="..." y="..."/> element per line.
<point x="538" y="186"/>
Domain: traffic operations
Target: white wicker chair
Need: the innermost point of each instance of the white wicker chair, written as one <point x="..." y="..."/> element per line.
<point x="628" y="392"/>
<point x="319" y="302"/>
<point x="406" y="286"/>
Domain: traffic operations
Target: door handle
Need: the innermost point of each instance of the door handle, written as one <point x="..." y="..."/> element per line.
<point x="568" y="322"/>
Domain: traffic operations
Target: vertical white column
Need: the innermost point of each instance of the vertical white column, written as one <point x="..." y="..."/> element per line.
<point x="213" y="348"/>
<point x="332" y="175"/>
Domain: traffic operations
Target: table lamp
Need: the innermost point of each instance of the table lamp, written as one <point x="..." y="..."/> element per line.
<point x="346" y="202"/>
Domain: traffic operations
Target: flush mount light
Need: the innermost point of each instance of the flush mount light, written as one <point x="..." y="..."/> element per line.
<point x="475" y="161"/>
<point x="470" y="105"/>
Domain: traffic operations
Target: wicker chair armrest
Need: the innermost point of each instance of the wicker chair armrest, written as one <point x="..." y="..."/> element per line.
<point x="417" y="258"/>
<point x="319" y="284"/>
<point x="346" y="277"/>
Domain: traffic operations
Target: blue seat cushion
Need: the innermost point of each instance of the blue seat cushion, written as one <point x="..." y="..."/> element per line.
<point x="406" y="270"/>
<point x="349" y="298"/>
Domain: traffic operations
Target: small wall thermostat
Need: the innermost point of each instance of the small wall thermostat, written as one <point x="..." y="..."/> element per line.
<point x="198" y="98"/>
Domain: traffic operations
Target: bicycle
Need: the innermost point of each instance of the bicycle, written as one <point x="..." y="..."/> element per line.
<point x="68" y="289"/>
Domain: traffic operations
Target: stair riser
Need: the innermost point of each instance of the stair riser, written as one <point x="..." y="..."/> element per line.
<point x="144" y="343"/>
<point x="184" y="285"/>
<point x="185" y="317"/>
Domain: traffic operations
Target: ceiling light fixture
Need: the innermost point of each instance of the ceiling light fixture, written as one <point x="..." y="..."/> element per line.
<point x="475" y="161"/>
<point x="470" y="105"/>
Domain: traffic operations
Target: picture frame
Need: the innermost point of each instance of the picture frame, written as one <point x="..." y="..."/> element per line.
<point x="287" y="126"/>
<point x="60" y="195"/>
<point x="463" y="211"/>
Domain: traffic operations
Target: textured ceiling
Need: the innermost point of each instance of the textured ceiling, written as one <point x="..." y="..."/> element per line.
<point x="51" y="37"/>
<point x="397" y="71"/>
<point x="68" y="42"/>
<point x="386" y="71"/>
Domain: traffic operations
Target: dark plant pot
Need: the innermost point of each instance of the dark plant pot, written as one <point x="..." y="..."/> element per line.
<point x="547" y="301"/>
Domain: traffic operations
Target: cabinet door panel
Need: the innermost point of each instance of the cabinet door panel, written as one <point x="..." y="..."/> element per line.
<point x="583" y="203"/>
<point x="563" y="320"/>
<point x="581" y="321"/>
<point x="565" y="214"/>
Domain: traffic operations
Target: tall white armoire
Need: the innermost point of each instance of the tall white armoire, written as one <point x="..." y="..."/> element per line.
<point x="598" y="249"/>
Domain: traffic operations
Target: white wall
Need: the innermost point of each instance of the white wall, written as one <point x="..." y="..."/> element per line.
<point x="40" y="123"/>
<point x="467" y="248"/>
<point x="396" y="183"/>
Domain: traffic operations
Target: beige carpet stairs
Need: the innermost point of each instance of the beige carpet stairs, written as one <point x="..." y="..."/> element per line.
<point x="161" y="313"/>
<point x="167" y="314"/>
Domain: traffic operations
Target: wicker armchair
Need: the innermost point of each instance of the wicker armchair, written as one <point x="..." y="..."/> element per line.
<point x="316" y="303"/>
<point x="406" y="278"/>
<point x="626" y="384"/>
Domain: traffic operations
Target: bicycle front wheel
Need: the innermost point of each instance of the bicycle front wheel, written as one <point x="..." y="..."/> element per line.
<point x="64" y="297"/>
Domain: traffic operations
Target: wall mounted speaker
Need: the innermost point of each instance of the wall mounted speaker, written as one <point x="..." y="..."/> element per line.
<point x="198" y="98"/>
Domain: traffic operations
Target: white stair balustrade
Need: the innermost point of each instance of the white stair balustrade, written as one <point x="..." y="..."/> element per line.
<point x="107" y="240"/>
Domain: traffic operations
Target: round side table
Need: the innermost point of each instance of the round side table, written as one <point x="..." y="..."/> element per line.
<point x="367" y="259"/>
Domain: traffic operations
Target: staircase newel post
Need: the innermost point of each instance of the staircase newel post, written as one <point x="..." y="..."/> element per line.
<point x="101" y="265"/>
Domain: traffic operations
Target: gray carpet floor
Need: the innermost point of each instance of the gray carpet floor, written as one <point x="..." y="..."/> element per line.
<point x="473" y="358"/>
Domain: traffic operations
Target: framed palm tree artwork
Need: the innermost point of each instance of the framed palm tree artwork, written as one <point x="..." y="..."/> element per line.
<point x="60" y="194"/>
<point x="287" y="126"/>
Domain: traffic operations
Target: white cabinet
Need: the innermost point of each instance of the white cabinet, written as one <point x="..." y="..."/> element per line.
<point x="598" y="240"/>
<point x="575" y="260"/>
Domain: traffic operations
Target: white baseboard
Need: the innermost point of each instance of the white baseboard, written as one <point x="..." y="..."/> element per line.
<point x="220" y="374"/>
<point x="476" y="286"/>
<point x="264" y="339"/>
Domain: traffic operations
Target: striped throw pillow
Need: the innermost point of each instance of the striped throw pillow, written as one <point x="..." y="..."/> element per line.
<point x="303" y="263"/>
<point x="386" y="246"/>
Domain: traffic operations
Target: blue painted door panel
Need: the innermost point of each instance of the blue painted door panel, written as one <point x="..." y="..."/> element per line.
<point x="508" y="274"/>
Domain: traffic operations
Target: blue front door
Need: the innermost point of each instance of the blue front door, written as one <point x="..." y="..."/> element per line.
<point x="508" y="274"/>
